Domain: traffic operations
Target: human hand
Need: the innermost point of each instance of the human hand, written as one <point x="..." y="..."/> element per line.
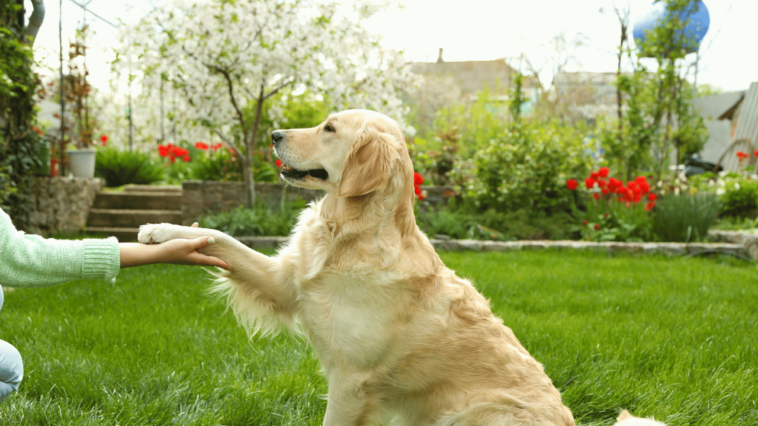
<point x="178" y="252"/>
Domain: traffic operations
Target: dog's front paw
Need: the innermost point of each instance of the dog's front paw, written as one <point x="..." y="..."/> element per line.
<point x="156" y="233"/>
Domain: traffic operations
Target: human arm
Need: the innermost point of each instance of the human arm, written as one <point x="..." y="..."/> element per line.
<point x="32" y="261"/>
<point x="180" y="252"/>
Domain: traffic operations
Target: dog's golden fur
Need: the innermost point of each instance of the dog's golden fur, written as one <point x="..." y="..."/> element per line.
<point x="400" y="337"/>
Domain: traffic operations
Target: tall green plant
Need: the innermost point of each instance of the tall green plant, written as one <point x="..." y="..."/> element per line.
<point x="120" y="168"/>
<point x="686" y="218"/>
<point x="19" y="143"/>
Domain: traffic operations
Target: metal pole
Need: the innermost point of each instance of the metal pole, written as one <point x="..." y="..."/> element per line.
<point x="63" y="100"/>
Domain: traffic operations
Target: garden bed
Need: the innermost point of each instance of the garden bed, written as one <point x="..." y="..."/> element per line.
<point x="730" y="243"/>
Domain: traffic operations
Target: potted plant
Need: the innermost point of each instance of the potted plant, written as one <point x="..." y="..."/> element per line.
<point x="81" y="154"/>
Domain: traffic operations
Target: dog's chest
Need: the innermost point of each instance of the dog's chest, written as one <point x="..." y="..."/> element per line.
<point x="352" y="317"/>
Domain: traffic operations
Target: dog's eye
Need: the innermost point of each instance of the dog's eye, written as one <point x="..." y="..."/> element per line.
<point x="329" y="128"/>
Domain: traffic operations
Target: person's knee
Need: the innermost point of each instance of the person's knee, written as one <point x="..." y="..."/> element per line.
<point x="11" y="369"/>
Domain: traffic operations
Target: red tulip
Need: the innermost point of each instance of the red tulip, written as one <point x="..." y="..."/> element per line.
<point x="103" y="139"/>
<point x="186" y="158"/>
<point x="652" y="196"/>
<point x="596" y="195"/>
<point x="614" y="183"/>
<point x="640" y="179"/>
<point x="644" y="187"/>
<point x="417" y="190"/>
<point x="202" y="146"/>
<point x="649" y="206"/>
<point x="603" y="171"/>
<point x="572" y="184"/>
<point x="217" y="146"/>
<point x="597" y="227"/>
<point x="163" y="151"/>
<point x="417" y="178"/>
<point x="589" y="182"/>
<point x="278" y="162"/>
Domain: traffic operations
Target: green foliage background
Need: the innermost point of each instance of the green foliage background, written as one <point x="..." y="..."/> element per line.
<point x="18" y="143"/>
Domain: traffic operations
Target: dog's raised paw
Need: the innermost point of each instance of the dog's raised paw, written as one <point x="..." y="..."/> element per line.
<point x="150" y="234"/>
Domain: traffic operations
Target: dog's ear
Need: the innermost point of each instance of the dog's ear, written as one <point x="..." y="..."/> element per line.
<point x="369" y="164"/>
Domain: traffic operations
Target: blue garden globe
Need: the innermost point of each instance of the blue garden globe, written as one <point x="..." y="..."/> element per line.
<point x="694" y="31"/>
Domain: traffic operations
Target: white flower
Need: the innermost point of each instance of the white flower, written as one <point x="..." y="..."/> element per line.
<point x="720" y="191"/>
<point x="676" y="191"/>
<point x="721" y="183"/>
<point x="737" y="185"/>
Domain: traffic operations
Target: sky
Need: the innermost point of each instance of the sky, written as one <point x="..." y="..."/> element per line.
<point x="469" y="30"/>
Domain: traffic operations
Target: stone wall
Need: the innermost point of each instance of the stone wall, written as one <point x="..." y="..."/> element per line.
<point x="207" y="197"/>
<point x="60" y="204"/>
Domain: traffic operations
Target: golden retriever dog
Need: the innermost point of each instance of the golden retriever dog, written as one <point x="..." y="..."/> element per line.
<point x="401" y="339"/>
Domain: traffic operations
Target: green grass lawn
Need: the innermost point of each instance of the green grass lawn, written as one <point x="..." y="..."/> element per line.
<point x="672" y="338"/>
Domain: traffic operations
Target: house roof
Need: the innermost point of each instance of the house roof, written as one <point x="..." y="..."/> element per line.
<point x="747" y="123"/>
<point x="716" y="106"/>
<point x="472" y="76"/>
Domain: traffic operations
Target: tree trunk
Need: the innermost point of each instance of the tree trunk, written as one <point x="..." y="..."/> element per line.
<point x="249" y="147"/>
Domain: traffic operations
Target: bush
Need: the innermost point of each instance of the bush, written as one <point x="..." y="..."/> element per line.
<point x="686" y="218"/>
<point x="220" y="166"/>
<point x="526" y="168"/>
<point x="259" y="221"/>
<point x="610" y="220"/>
<point x="120" y="168"/>
<point x="740" y="198"/>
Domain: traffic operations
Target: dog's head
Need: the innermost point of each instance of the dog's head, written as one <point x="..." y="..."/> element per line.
<point x="351" y="154"/>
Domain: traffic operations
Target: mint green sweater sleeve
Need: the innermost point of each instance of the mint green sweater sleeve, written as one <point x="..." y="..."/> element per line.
<point x="31" y="261"/>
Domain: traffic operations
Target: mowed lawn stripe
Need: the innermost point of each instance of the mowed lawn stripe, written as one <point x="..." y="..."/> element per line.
<point x="670" y="337"/>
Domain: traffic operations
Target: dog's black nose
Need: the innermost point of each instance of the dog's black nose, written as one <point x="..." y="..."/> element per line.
<point x="277" y="136"/>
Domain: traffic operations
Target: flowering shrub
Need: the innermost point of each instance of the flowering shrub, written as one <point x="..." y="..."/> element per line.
<point x="525" y="168"/>
<point x="737" y="192"/>
<point x="173" y="152"/>
<point x="615" y="211"/>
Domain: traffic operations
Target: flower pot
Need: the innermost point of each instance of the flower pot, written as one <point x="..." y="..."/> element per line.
<point x="82" y="162"/>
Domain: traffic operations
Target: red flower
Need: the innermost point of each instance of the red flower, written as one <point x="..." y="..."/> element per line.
<point x="173" y="158"/>
<point x="36" y="130"/>
<point x="597" y="227"/>
<point x="417" y="190"/>
<point x="605" y="191"/>
<point x="217" y="146"/>
<point x="756" y="153"/>
<point x="741" y="155"/>
<point x="596" y="195"/>
<point x="186" y="158"/>
<point x="104" y="139"/>
<point x="649" y="206"/>
<point x="614" y="183"/>
<point x="202" y="146"/>
<point x="652" y="196"/>
<point x="178" y="151"/>
<point x="421" y="197"/>
<point x="589" y="182"/>
<point x="232" y="150"/>
<point x="640" y="179"/>
<point x="603" y="171"/>
<point x="163" y="151"/>
<point x="645" y="187"/>
<point x="278" y="162"/>
<point x="585" y="222"/>
<point x="417" y="178"/>
<point x="594" y="175"/>
<point x="572" y="184"/>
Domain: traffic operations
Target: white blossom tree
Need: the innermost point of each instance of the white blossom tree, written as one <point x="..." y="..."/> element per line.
<point x="228" y="56"/>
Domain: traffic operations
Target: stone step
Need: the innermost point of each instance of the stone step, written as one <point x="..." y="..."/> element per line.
<point x="139" y="201"/>
<point x="124" y="235"/>
<point x="153" y="188"/>
<point x="119" y="218"/>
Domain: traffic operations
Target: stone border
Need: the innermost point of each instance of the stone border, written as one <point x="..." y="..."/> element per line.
<point x="670" y="249"/>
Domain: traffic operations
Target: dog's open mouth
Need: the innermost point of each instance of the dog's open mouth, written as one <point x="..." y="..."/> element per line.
<point x="291" y="173"/>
